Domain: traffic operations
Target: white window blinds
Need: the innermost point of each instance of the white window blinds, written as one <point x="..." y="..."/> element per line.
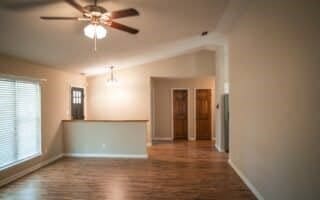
<point x="20" y="121"/>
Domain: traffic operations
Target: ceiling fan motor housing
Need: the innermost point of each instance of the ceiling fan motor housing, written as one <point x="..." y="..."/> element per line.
<point x="95" y="10"/>
<point x="98" y="15"/>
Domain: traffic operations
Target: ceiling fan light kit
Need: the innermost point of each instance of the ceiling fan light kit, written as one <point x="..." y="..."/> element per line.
<point x="99" y="18"/>
<point x="95" y="30"/>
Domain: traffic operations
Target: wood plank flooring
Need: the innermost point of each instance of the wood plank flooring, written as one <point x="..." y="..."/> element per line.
<point x="174" y="171"/>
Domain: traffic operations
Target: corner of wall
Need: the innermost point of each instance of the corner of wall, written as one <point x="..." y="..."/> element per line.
<point x="244" y="178"/>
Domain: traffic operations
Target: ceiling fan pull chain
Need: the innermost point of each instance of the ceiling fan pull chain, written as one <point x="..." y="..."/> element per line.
<point x="95" y="37"/>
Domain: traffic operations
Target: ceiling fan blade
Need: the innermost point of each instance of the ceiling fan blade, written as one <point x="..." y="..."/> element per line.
<point x="76" y="6"/>
<point x="123" y="28"/>
<point x="60" y="18"/>
<point x="123" y="13"/>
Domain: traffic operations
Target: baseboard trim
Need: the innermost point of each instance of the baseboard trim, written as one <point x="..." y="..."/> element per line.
<point x="218" y="148"/>
<point x="162" y="139"/>
<point x="89" y="155"/>
<point x="246" y="181"/>
<point x="28" y="170"/>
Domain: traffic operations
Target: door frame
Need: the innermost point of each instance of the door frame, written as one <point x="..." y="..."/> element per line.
<point x="83" y="102"/>
<point x="171" y="112"/>
<point x="84" y="99"/>
<point x="213" y="124"/>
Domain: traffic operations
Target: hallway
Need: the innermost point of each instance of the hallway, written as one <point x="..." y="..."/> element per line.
<point x="180" y="170"/>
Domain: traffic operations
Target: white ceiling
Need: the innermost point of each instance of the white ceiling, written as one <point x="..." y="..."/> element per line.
<point x="62" y="44"/>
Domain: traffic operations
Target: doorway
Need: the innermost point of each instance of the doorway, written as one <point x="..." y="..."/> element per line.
<point x="180" y="114"/>
<point x="77" y="103"/>
<point x="203" y="99"/>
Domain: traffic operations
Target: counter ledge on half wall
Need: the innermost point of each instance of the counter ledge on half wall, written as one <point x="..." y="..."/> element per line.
<point x="70" y="120"/>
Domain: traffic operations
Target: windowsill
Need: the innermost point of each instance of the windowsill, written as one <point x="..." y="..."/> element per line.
<point x="20" y="162"/>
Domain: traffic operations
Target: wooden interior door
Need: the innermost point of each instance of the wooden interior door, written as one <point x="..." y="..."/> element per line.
<point x="203" y="114"/>
<point x="77" y="103"/>
<point x="180" y="114"/>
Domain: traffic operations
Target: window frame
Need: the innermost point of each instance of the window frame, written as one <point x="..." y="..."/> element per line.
<point x="40" y="153"/>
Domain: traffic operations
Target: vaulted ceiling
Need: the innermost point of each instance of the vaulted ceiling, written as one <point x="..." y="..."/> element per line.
<point x="62" y="44"/>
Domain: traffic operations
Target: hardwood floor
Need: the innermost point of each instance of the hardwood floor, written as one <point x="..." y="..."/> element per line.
<point x="178" y="171"/>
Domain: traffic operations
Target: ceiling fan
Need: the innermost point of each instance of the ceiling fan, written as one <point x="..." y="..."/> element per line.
<point x="98" y="18"/>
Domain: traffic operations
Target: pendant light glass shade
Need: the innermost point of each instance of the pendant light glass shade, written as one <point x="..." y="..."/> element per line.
<point x="111" y="80"/>
<point x="95" y="30"/>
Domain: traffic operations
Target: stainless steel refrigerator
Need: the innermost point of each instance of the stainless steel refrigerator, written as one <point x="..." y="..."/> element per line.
<point x="225" y="113"/>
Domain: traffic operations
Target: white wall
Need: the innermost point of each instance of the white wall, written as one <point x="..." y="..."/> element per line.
<point x="162" y="108"/>
<point x="105" y="139"/>
<point x="275" y="95"/>
<point x="55" y="106"/>
<point x="131" y="98"/>
<point x="222" y="79"/>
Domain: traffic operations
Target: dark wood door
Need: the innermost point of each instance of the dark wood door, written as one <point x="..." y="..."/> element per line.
<point x="77" y="103"/>
<point x="180" y="114"/>
<point x="203" y="114"/>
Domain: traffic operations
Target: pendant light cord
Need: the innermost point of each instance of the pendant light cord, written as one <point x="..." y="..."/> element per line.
<point x="95" y="37"/>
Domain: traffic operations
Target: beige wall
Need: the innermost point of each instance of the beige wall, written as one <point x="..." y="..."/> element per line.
<point x="162" y="103"/>
<point x="275" y="95"/>
<point x="131" y="98"/>
<point x="222" y="78"/>
<point x="105" y="139"/>
<point x="55" y="104"/>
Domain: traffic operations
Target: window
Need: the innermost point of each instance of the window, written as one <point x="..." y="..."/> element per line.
<point x="20" y="121"/>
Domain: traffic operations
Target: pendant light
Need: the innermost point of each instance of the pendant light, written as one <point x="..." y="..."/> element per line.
<point x="111" y="80"/>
